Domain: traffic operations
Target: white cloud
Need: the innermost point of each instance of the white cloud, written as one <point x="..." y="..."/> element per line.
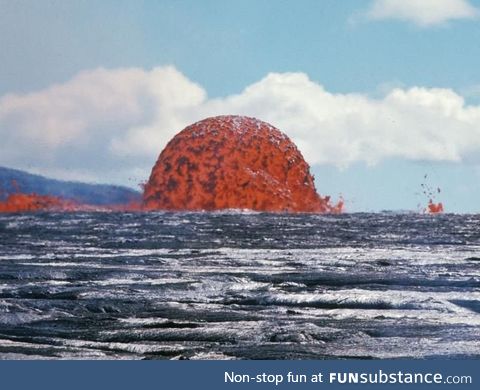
<point x="416" y="123"/>
<point x="110" y="125"/>
<point x="424" y="13"/>
<point x="86" y="125"/>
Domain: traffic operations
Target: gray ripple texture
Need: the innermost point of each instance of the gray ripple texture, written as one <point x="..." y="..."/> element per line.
<point x="239" y="285"/>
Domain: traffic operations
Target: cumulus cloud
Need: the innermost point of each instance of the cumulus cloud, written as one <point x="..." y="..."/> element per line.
<point x="424" y="13"/>
<point x="82" y="129"/>
<point x="110" y="125"/>
<point x="415" y="123"/>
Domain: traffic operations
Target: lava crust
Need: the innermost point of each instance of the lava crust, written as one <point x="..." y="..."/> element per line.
<point x="233" y="162"/>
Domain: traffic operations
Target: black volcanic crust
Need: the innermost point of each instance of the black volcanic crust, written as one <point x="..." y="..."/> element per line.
<point x="84" y="193"/>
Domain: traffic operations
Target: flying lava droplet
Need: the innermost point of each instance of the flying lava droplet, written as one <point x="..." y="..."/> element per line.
<point x="233" y="162"/>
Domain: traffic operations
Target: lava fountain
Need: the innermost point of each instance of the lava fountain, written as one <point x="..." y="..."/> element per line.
<point x="233" y="162"/>
<point x="434" y="208"/>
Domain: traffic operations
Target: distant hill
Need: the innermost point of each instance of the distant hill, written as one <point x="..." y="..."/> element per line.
<point x="93" y="194"/>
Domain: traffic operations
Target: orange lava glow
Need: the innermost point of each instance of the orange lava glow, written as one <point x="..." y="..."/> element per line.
<point x="19" y="202"/>
<point x="233" y="162"/>
<point x="434" y="208"/>
<point x="225" y="162"/>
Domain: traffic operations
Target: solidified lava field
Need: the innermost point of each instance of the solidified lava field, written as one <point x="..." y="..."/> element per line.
<point x="239" y="285"/>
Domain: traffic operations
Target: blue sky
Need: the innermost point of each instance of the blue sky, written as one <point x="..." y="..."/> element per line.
<point x="414" y="65"/>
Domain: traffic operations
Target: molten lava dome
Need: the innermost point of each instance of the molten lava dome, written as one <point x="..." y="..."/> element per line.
<point x="233" y="162"/>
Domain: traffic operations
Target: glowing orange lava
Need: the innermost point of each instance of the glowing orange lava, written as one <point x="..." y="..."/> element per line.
<point x="225" y="162"/>
<point x="434" y="208"/>
<point x="233" y="162"/>
<point x="20" y="202"/>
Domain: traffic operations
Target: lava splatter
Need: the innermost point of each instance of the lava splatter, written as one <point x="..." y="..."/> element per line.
<point x="433" y="207"/>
